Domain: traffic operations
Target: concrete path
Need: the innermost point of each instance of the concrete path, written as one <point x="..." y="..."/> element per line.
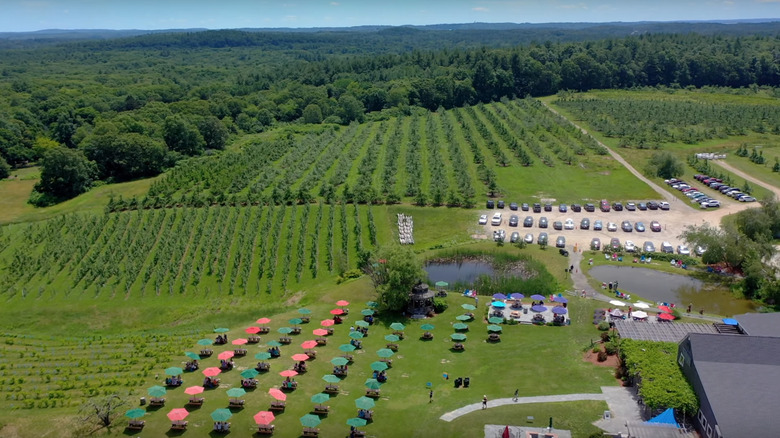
<point x="449" y="416"/>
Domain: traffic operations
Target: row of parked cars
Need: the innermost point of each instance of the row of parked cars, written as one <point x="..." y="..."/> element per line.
<point x="704" y="200"/>
<point x="543" y="239"/>
<point x="604" y="206"/>
<point x="568" y="224"/>
<point x="647" y="247"/>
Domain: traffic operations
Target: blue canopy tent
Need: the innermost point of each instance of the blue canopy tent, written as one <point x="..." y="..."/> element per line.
<point x="665" y="418"/>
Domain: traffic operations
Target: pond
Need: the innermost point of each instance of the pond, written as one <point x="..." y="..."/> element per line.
<point x="673" y="288"/>
<point x="464" y="272"/>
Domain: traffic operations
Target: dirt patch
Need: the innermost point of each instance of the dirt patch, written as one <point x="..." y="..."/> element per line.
<point x="293" y="300"/>
<point x="612" y="362"/>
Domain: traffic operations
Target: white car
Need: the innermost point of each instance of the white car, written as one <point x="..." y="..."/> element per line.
<point x="629" y="246"/>
<point x="483" y="219"/>
<point x="496" y="221"/>
<point x="663" y="205"/>
<point x="611" y="226"/>
<point x="710" y="203"/>
<point x="569" y="224"/>
<point x="683" y="250"/>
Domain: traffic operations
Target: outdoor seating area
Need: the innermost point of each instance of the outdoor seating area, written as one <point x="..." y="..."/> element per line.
<point x="322" y="341"/>
<point x="321" y="409"/>
<point x="331" y="389"/>
<point x="285" y="340"/>
<point x="393" y="347"/>
<point x="173" y="381"/>
<point x="249" y="383"/>
<point x="405" y="229"/>
<point x="136" y="424"/>
<point x="311" y="431"/>
<point x="372" y="393"/>
<point x="458" y="346"/>
<point x="210" y="382"/>
<point x="196" y="401"/>
<point x="263" y="367"/>
<point x="299" y="367"/>
<point x="289" y="385"/>
<point x="542" y="310"/>
<point x="365" y="414"/>
<point x="179" y="425"/>
<point x="221" y="427"/>
<point x="235" y="403"/>
<point x="265" y="429"/>
<point x="427" y="336"/>
<point x="191" y="366"/>
<point x="156" y="401"/>
<point x="239" y="352"/>
<point x="254" y="339"/>
<point x="494" y="337"/>
<point x="206" y="352"/>
<point x="277" y="406"/>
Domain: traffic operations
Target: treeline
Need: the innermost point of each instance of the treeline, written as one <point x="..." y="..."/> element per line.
<point x="120" y="102"/>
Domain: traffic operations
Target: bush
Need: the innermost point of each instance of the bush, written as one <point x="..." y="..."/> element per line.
<point x="605" y="336"/>
<point x="440" y="305"/>
<point x="611" y="348"/>
<point x="602" y="356"/>
<point x="596" y="349"/>
<point x="603" y="326"/>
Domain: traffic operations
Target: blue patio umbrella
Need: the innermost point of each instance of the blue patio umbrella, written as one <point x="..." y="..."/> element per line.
<point x="538" y="308"/>
<point x="499" y="296"/>
<point x="517" y="296"/>
<point x="560" y="300"/>
<point x="498" y="304"/>
<point x="537" y="297"/>
<point x="730" y="321"/>
<point x="559" y="310"/>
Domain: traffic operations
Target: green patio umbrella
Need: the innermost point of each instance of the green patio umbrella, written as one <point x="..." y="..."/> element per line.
<point x="295" y="321"/>
<point x="330" y="378"/>
<point x="356" y="335"/>
<point x="365" y="403"/>
<point x="427" y="327"/>
<point x="223" y="414"/>
<point x="135" y="413"/>
<point x="346" y="348"/>
<point x="463" y="317"/>
<point x="361" y="323"/>
<point x="367" y="312"/>
<point x="235" y="392"/>
<point x="310" y="420"/>
<point x="495" y="320"/>
<point x="458" y="337"/>
<point x="468" y="306"/>
<point x="173" y="371"/>
<point x="494" y="328"/>
<point x="273" y="343"/>
<point x="320" y="398"/>
<point x="205" y="342"/>
<point x="372" y="304"/>
<point x="442" y="284"/>
<point x="460" y="326"/>
<point x="373" y="384"/>
<point x="156" y="391"/>
<point x="221" y="330"/>
<point x="263" y="355"/>
<point x="378" y="366"/>
<point x="304" y="311"/>
<point x="385" y="352"/>
<point x="339" y="361"/>
<point x="285" y="330"/>
<point x="356" y="422"/>
<point x="191" y="355"/>
<point x="249" y="373"/>
<point x="392" y="338"/>
<point x="397" y="326"/>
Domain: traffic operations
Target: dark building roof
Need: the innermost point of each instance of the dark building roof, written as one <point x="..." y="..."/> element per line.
<point x="760" y="324"/>
<point x="741" y="380"/>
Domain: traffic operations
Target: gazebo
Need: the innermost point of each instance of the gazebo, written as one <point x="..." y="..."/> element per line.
<point x="420" y="301"/>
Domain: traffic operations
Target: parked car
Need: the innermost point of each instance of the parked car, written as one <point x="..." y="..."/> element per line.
<point x="652" y="205"/>
<point x="655" y="226"/>
<point x="629" y="246"/>
<point x="514" y="238"/>
<point x="611" y="226"/>
<point x="542" y="239"/>
<point x="710" y="203"/>
<point x="615" y="243"/>
<point x="542" y="222"/>
<point x="560" y="242"/>
<point x="604" y="206"/>
<point x="595" y="244"/>
<point x="500" y="204"/>
<point x="548" y="207"/>
<point x="499" y="235"/>
<point x="630" y="206"/>
<point x="617" y="206"/>
<point x="598" y="225"/>
<point x="700" y="250"/>
<point x="585" y="224"/>
<point x="513" y="206"/>
<point x="569" y="224"/>
<point x="683" y="250"/>
<point x="642" y="206"/>
<point x="558" y="225"/>
<point x="562" y="208"/>
<point x="524" y="206"/>
<point x="639" y="227"/>
<point x="667" y="248"/>
<point x="648" y="247"/>
<point x="747" y="199"/>
<point x="626" y="226"/>
<point x="590" y="208"/>
<point x="529" y="238"/>
<point x="483" y="219"/>
<point x="528" y="221"/>
<point x="513" y="220"/>
<point x="537" y="207"/>
<point x="496" y="221"/>
<point x="576" y="208"/>
<point x="490" y="204"/>
<point x="663" y="205"/>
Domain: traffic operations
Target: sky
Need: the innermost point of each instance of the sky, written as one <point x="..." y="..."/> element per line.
<point x="29" y="15"/>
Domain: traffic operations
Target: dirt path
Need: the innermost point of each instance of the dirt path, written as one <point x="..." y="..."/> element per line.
<point x="744" y="175"/>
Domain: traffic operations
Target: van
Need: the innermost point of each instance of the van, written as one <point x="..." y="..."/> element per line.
<point x="667" y="248"/>
<point x="496" y="221"/>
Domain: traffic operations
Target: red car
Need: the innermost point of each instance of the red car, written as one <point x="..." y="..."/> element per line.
<point x="604" y="205"/>
<point x="655" y="226"/>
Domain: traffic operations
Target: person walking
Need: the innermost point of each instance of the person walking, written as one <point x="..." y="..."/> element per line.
<point x="484" y="402"/>
<point x="430" y="397"/>
<point x="516" y="393"/>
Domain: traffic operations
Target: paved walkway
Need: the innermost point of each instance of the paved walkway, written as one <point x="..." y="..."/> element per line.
<point x="449" y="416"/>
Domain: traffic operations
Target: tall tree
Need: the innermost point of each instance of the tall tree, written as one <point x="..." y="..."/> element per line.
<point x="181" y="136"/>
<point x="394" y="270"/>
<point x="65" y="173"/>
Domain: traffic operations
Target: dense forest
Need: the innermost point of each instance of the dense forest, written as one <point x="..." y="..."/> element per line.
<point x="126" y="108"/>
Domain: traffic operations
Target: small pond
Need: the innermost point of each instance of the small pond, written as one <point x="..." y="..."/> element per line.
<point x="673" y="288"/>
<point x="464" y="272"/>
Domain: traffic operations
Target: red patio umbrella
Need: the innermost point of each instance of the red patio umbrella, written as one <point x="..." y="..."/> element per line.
<point x="666" y="316"/>
<point x="318" y="332"/>
<point x="342" y="303"/>
<point x="178" y="414"/>
<point x="300" y="356"/>
<point x="665" y="309"/>
<point x="252" y="330"/>
<point x="225" y="355"/>
<point x="263" y="321"/>
<point x="211" y="372"/>
<point x="506" y="433"/>
<point x="192" y="390"/>
<point x="311" y="344"/>
<point x="264" y="417"/>
<point x="239" y="341"/>
<point x="336" y="312"/>
<point x="277" y="394"/>
<point x="327" y="322"/>
<point x="289" y="373"/>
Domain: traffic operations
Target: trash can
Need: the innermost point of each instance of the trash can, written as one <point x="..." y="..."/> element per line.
<point x="143" y="401"/>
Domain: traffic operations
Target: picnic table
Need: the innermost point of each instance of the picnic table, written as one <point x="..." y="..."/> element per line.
<point x="393" y="347"/>
<point x="331" y="389"/>
<point x="494" y="337"/>
<point x="311" y="353"/>
<point x="136" y="424"/>
<point x="277" y="406"/>
<point x="155" y="401"/>
<point x="179" y="425"/>
<point x="296" y="330"/>
<point x="322" y="341"/>
<point x="311" y="431"/>
<point x="400" y="334"/>
<point x="236" y="403"/>
<point x="285" y="340"/>
<point x="265" y="429"/>
<point x="348" y="357"/>
<point x="263" y="366"/>
<point x="321" y="409"/>
<point x="254" y="339"/>
<point x="305" y="319"/>
<point x="330" y="331"/>
<point x="196" y="401"/>
<point x="206" y="352"/>
<point x="389" y="362"/>
<point x="427" y="335"/>
<point x="372" y="393"/>
<point x="458" y="347"/>
<point x="239" y="352"/>
<point x="264" y="330"/>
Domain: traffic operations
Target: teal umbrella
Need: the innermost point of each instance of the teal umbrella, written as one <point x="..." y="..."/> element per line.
<point x="397" y="326"/>
<point x="442" y="284"/>
<point x="263" y="355"/>
<point x="156" y="391"/>
<point x="330" y="378"/>
<point x="205" y="342"/>
<point x="468" y="306"/>
<point x="236" y="392"/>
<point x="339" y="361"/>
<point x="385" y="352"/>
<point x="460" y="326"/>
<point x="361" y="323"/>
<point x="494" y="328"/>
<point x="173" y="371"/>
<point x="221" y="330"/>
<point x="304" y="311"/>
<point x="367" y="312"/>
<point x="458" y="337"/>
<point x="285" y="330"/>
<point x="273" y="343"/>
<point x="310" y="420"/>
<point x="356" y="422"/>
<point x="135" y="413"/>
<point x="427" y="327"/>
<point x="191" y="355"/>
<point x="373" y="384"/>
<point x="463" y="317"/>
<point x="365" y="403"/>
<point x="295" y="321"/>
<point x="221" y="415"/>
<point x="392" y="338"/>
<point x="249" y="373"/>
<point x="320" y="398"/>
<point x="346" y="348"/>
<point x="372" y="304"/>
<point x="356" y="335"/>
<point x="495" y="320"/>
<point x="378" y="366"/>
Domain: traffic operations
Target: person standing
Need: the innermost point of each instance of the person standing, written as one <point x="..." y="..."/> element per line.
<point x="516" y="393"/>
<point x="484" y="402"/>
<point x="430" y="397"/>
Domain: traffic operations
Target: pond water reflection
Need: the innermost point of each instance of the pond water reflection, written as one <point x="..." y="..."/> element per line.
<point x="452" y="272"/>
